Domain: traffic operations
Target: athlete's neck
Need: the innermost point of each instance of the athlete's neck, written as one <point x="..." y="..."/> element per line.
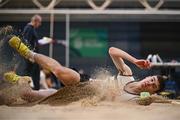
<point x="133" y="88"/>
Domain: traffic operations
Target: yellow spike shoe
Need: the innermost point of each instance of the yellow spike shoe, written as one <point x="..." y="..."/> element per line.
<point x="21" y="48"/>
<point x="11" y="77"/>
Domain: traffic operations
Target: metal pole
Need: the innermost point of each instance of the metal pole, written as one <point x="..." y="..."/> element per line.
<point x="51" y="34"/>
<point x="92" y="12"/>
<point x="67" y="38"/>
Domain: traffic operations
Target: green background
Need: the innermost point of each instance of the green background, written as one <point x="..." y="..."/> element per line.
<point x="88" y="42"/>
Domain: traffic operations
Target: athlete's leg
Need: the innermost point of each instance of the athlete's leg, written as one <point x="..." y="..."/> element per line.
<point x="66" y="75"/>
<point x="25" y="91"/>
<point x="34" y="95"/>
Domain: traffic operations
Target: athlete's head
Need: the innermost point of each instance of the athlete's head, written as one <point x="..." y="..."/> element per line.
<point x="152" y="84"/>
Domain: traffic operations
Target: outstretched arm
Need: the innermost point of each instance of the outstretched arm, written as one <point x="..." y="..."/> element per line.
<point x="118" y="55"/>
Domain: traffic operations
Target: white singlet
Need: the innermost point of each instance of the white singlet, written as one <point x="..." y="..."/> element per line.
<point x="121" y="82"/>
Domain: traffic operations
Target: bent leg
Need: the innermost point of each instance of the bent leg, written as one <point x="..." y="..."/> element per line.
<point x="66" y="75"/>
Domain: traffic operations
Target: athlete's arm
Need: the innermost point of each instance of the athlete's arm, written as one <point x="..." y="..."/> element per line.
<point x="118" y="55"/>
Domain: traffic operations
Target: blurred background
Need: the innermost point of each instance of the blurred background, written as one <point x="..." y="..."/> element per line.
<point x="83" y="30"/>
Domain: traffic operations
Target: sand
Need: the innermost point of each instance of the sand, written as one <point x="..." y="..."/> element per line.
<point x="84" y="102"/>
<point x="67" y="107"/>
<point x="102" y="111"/>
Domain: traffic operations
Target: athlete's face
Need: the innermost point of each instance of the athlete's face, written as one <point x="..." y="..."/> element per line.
<point x="149" y="84"/>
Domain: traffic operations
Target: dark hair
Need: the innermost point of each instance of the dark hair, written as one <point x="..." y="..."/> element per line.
<point x="161" y="80"/>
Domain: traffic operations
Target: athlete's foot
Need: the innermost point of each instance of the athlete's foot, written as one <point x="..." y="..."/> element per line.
<point x="13" y="78"/>
<point x="31" y="96"/>
<point x="20" y="47"/>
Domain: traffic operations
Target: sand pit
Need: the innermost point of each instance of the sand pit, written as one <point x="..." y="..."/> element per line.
<point x="83" y="102"/>
<point x="103" y="111"/>
<point x="86" y="101"/>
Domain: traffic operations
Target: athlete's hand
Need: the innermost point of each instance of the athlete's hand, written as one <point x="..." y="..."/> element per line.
<point x="143" y="64"/>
